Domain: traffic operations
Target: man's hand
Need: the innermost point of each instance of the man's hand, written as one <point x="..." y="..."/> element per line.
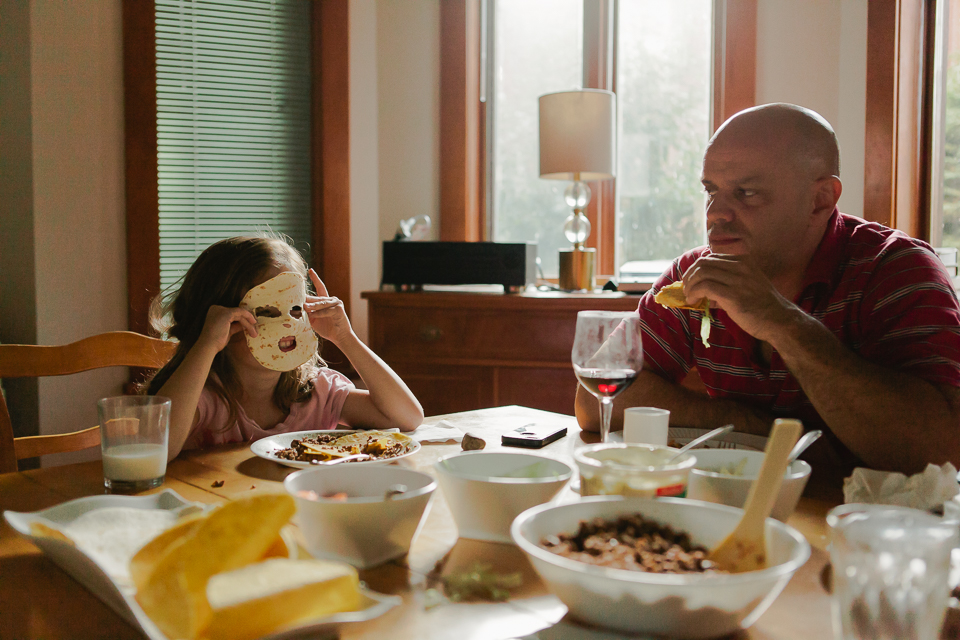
<point x="733" y="284"/>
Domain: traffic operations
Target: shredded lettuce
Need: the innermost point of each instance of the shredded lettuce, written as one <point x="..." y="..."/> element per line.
<point x="705" y="327"/>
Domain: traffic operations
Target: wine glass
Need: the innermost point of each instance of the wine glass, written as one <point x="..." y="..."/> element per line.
<point x="607" y="356"/>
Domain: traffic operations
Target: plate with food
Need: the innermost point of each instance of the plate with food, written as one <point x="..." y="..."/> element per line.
<point x="679" y="436"/>
<point x="304" y="449"/>
<point x="177" y="569"/>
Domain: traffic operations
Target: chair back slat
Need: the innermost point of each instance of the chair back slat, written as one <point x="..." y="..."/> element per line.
<point x="8" y="459"/>
<point x="112" y="349"/>
<point x="34" y="446"/>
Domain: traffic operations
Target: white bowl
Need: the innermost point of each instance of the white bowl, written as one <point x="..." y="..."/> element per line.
<point x="367" y="528"/>
<point x="704" y="484"/>
<point x="671" y="605"/>
<point x="483" y="498"/>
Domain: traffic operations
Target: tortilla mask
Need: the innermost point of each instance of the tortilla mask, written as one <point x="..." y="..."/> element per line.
<point x="284" y="339"/>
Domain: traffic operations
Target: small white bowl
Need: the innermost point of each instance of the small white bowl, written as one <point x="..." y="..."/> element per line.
<point x="668" y="605"/>
<point x="484" y="499"/>
<point x="367" y="528"/>
<point x="721" y="488"/>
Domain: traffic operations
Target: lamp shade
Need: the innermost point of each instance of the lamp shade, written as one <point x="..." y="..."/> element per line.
<point x="577" y="134"/>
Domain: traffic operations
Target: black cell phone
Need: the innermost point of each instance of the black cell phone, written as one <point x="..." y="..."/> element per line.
<point x="532" y="436"/>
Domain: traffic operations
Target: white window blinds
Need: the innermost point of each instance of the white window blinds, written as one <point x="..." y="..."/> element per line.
<point x="233" y="124"/>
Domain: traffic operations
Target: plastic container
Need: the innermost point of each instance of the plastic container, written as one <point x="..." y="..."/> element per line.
<point x="633" y="470"/>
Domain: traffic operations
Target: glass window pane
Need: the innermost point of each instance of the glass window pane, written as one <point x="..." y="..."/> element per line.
<point x="663" y="88"/>
<point x="951" y="161"/>
<point x="539" y="49"/>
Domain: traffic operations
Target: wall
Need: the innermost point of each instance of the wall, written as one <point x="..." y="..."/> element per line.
<point x="408" y="92"/>
<point x="814" y="53"/>
<point x="71" y="164"/>
<point x="364" y="186"/>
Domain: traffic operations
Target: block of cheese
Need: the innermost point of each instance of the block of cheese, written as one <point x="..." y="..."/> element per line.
<point x="266" y="597"/>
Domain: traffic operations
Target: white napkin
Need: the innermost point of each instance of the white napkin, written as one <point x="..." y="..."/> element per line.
<point x="926" y="490"/>
<point x="441" y="431"/>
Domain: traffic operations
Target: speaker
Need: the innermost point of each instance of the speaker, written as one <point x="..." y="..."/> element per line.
<point x="414" y="264"/>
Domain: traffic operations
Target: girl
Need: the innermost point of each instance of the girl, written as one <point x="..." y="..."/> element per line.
<point x="221" y="393"/>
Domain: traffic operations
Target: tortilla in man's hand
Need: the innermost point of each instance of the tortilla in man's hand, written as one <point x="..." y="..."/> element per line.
<point x="672" y="296"/>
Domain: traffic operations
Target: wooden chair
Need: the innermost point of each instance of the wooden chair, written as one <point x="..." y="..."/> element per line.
<point x="112" y="349"/>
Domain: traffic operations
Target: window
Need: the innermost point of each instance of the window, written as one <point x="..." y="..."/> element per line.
<point x="233" y="124"/>
<point x="679" y="69"/>
<point x="264" y="140"/>
<point x="945" y="173"/>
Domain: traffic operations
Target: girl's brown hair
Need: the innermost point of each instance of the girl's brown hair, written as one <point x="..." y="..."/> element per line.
<point x="222" y="275"/>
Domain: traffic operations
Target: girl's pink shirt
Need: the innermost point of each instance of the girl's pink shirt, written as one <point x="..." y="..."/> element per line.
<point x="320" y="412"/>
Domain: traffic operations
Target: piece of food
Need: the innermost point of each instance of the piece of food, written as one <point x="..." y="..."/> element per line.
<point x="672" y="296"/>
<point x="471" y="442"/>
<point x="266" y="597"/>
<point x="322" y="447"/>
<point x="235" y="535"/>
<point x="729" y="469"/>
<point x="632" y="542"/>
<point x="480" y="582"/>
<point x="146" y="558"/>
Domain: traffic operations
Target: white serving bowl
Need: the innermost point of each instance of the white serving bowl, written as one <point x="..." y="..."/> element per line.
<point x="675" y="605"/>
<point x="704" y="484"/>
<point x="367" y="528"/>
<point x="483" y="498"/>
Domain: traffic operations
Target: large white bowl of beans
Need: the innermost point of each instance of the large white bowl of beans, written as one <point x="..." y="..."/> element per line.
<point x="639" y="564"/>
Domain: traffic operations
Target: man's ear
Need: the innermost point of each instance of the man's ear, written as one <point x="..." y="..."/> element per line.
<point x="826" y="193"/>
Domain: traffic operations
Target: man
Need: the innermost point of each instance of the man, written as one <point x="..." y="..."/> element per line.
<point x="847" y="325"/>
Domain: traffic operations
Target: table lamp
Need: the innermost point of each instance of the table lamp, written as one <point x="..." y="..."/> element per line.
<point x="577" y="134"/>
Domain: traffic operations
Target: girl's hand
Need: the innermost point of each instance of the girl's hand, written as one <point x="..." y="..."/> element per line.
<point x="327" y="315"/>
<point x="222" y="323"/>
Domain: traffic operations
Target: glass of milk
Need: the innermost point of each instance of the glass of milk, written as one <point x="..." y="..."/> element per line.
<point x="133" y="441"/>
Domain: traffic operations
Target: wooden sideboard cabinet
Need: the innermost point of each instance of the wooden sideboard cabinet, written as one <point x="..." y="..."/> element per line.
<point x="463" y="351"/>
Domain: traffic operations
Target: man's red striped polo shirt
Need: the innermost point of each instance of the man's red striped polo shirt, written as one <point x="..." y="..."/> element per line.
<point x="883" y="294"/>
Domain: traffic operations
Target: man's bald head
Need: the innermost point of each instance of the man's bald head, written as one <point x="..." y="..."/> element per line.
<point x="803" y="136"/>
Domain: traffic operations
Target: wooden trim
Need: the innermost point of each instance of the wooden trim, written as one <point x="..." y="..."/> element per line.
<point x="878" y="196"/>
<point x="460" y="114"/>
<point x="334" y="152"/>
<point x="140" y="140"/>
<point x="8" y="456"/>
<point x="898" y="114"/>
<point x="921" y="225"/>
<point x="734" y="59"/>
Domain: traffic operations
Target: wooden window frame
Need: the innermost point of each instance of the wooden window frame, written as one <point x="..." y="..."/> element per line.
<point x="463" y="161"/>
<point x="899" y="114"/>
<point x="330" y="146"/>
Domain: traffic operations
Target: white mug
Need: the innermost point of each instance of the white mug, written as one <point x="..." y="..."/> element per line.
<point x="645" y="425"/>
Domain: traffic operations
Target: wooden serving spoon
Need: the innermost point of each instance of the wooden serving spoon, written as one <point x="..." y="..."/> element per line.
<point x="745" y="549"/>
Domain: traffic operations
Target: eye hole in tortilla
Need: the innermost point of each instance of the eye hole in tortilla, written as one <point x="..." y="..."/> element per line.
<point x="267" y="312"/>
<point x="297" y="312"/>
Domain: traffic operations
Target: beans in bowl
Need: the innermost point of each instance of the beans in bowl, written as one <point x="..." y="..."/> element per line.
<point x="634" y="543"/>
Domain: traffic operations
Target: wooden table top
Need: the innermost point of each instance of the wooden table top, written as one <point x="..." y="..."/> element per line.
<point x="38" y="600"/>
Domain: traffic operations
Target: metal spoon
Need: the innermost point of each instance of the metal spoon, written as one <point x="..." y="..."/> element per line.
<point x="808" y="439"/>
<point x="719" y="431"/>
<point x="356" y="456"/>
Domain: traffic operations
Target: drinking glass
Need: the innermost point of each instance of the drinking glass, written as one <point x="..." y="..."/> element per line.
<point x="133" y="442"/>
<point x="890" y="572"/>
<point x="607" y="356"/>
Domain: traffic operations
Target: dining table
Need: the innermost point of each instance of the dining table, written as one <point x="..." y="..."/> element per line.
<point x="39" y="600"/>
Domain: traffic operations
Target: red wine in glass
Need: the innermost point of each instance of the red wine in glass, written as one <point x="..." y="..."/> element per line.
<point x="606" y="383"/>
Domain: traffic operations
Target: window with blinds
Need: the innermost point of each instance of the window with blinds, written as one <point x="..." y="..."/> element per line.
<point x="233" y="124"/>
